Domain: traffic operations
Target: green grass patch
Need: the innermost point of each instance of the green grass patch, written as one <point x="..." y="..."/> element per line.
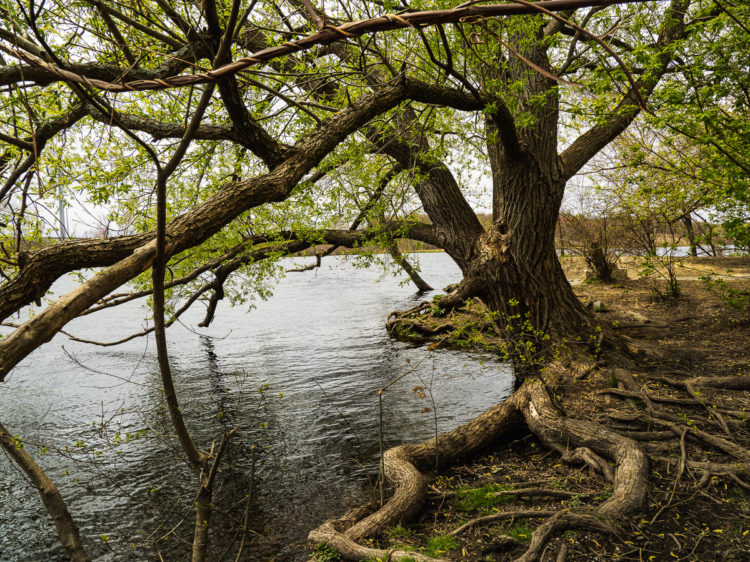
<point x="398" y="535"/>
<point x="483" y="497"/>
<point x="521" y="531"/>
<point x="397" y="532"/>
<point x="325" y="553"/>
<point x="440" y="544"/>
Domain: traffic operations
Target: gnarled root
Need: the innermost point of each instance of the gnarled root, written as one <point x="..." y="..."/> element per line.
<point x="409" y="496"/>
<point x="350" y="550"/>
<point x="561" y="521"/>
<point x="630" y="477"/>
<point x="532" y="403"/>
<point x="403" y="466"/>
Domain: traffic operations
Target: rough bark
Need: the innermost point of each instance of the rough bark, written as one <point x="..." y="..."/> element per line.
<point x="516" y="259"/>
<point x="42" y="328"/>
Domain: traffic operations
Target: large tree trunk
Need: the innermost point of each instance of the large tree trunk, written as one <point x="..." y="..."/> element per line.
<point x="515" y="269"/>
<point x="515" y="260"/>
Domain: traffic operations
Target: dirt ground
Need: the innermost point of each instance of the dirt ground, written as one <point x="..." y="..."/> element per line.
<point x="698" y="502"/>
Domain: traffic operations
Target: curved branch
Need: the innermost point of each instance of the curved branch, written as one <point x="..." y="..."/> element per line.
<point x="326" y="36"/>
<point x="597" y="137"/>
<point x="43" y="267"/>
<point x="246" y="129"/>
<point x="43" y="76"/>
<point x="114" y="30"/>
<point x="190" y="229"/>
<point x="455" y="223"/>
<point x="161" y="130"/>
<point x="42" y="136"/>
<point x="44" y="326"/>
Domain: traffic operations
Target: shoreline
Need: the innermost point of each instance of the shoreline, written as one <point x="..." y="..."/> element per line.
<point x="480" y="508"/>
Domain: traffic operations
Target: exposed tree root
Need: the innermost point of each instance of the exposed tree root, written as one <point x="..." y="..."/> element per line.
<point x="402" y="470"/>
<point x="579" y="441"/>
<point x="561" y="521"/>
<point x="410" y="493"/>
<point x="501" y="515"/>
<point x="403" y="463"/>
<point x="532" y="403"/>
<point x="538" y="492"/>
<point x="630" y="476"/>
<point x="427" y="319"/>
<point x="608" y="415"/>
<point x="350" y="550"/>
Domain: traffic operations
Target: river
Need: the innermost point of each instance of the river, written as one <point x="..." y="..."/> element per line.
<point x="298" y="375"/>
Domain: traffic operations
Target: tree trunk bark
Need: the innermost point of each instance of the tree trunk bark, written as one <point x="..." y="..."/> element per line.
<point x="687" y="220"/>
<point x="515" y="265"/>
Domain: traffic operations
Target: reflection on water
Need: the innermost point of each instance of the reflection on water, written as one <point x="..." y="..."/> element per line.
<point x="299" y="377"/>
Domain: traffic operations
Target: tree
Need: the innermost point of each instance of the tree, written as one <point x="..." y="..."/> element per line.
<point x="649" y="182"/>
<point x="527" y="263"/>
<point x="706" y="109"/>
<point x="229" y="180"/>
<point x="589" y="228"/>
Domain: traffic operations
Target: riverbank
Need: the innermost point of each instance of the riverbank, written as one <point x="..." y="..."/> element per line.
<point x="299" y="374"/>
<point x="685" y="404"/>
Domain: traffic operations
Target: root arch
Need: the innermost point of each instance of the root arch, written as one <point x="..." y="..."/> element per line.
<point x="529" y="409"/>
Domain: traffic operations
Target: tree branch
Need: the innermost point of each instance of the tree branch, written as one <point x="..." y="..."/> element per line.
<point x="597" y="137"/>
<point x="43" y="76"/>
<point x="327" y="35"/>
<point x="67" y="530"/>
<point x="41" y="137"/>
<point x="186" y="231"/>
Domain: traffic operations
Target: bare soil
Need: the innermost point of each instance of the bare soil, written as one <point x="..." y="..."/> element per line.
<point x="695" y="434"/>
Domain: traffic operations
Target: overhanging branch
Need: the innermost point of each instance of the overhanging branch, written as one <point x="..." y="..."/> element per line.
<point x="326" y="36"/>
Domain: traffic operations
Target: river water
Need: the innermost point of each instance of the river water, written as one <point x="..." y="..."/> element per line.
<point x="298" y="376"/>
